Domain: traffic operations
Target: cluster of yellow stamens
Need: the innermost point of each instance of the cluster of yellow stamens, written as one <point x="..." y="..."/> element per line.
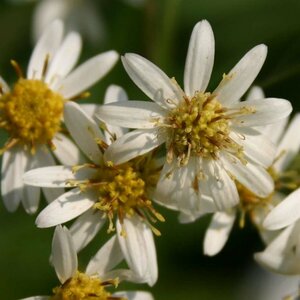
<point x="200" y="126"/>
<point x="124" y="189"/>
<point x="84" y="287"/>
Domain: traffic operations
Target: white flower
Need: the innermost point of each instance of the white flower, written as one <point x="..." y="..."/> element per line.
<point x="31" y="112"/>
<point x="210" y="137"/>
<point x="97" y="276"/>
<point x="102" y="191"/>
<point x="288" y="143"/>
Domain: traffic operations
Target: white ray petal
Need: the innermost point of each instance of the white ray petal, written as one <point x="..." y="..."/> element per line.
<point x="255" y="92"/>
<point x="266" y="111"/>
<point x="285" y="213"/>
<point x="88" y="73"/>
<point x="64" y="256"/>
<point x="37" y="298"/>
<point x="65" y="208"/>
<point x="136" y="295"/>
<point x="4" y="86"/>
<point x="152" y="80"/>
<point x="289" y="145"/>
<point x="46" y="46"/>
<point x="65" y="58"/>
<point x="85" y="228"/>
<point x="133" y="144"/>
<point x="66" y="151"/>
<point x="238" y="80"/>
<point x="132" y="114"/>
<point x="253" y="177"/>
<point x="109" y="256"/>
<point x="115" y="93"/>
<point x="52" y="194"/>
<point x="13" y="167"/>
<point x="84" y="131"/>
<point x="200" y="58"/>
<point x="138" y="248"/>
<point x="218" y="232"/>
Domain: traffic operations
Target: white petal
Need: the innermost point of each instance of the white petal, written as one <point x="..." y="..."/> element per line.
<point x="106" y="258"/>
<point x="84" y="131"/>
<point x="219" y="185"/>
<point x="51" y="194"/>
<point x="131" y="114"/>
<point x="85" y="228"/>
<point x="65" y="208"/>
<point x="289" y="145"/>
<point x="285" y="213"/>
<point x="115" y="93"/>
<point x="239" y="79"/>
<point x="136" y="295"/>
<point x="138" y="248"/>
<point x="88" y="73"/>
<point x="255" y="92"/>
<point x="47" y="45"/>
<point x="64" y="256"/>
<point x="4" y="86"/>
<point x="257" y="148"/>
<point x="218" y="232"/>
<point x="152" y="80"/>
<point x="13" y="167"/>
<point x="267" y="111"/>
<point x="37" y="298"/>
<point x="200" y="58"/>
<point x="133" y="144"/>
<point x="253" y="177"/>
<point x="65" y="58"/>
<point x="66" y="151"/>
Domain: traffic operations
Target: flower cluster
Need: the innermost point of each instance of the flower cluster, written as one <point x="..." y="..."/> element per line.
<point x="111" y="166"/>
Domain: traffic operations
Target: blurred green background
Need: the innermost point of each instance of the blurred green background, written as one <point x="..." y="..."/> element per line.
<point x="160" y="31"/>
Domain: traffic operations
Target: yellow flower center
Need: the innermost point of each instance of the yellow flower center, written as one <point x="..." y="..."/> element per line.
<point x="124" y="189"/>
<point x="31" y="112"/>
<point x="200" y="126"/>
<point x="83" y="287"/>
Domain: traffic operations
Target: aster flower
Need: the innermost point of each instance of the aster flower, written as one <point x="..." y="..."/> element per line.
<point x="32" y="110"/>
<point x="103" y="191"/>
<point x="97" y="276"/>
<point x="288" y="143"/>
<point x="210" y="138"/>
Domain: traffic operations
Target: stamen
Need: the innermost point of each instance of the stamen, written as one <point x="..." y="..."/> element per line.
<point x="17" y="68"/>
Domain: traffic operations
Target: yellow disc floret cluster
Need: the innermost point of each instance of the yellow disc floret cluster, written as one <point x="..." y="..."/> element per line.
<point x="81" y="287"/>
<point x="31" y="112"/>
<point x="200" y="127"/>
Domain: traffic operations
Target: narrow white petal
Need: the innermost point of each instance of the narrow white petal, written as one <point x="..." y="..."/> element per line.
<point x="200" y="58"/>
<point x="258" y="148"/>
<point x="152" y="80"/>
<point x="4" y="86"/>
<point x="253" y="177"/>
<point x="88" y="73"/>
<point x="285" y="213"/>
<point x="65" y="208"/>
<point x="46" y="46"/>
<point x="218" y="232"/>
<point x="289" y="145"/>
<point x="238" y="80"/>
<point x="133" y="144"/>
<point x="52" y="194"/>
<point x="66" y="151"/>
<point x="65" y="58"/>
<point x="109" y="256"/>
<point x="219" y="185"/>
<point x="138" y="248"/>
<point x="136" y="295"/>
<point x="131" y="114"/>
<point x="13" y="167"/>
<point x="115" y="93"/>
<point x="64" y="256"/>
<point x="184" y="218"/>
<point x="267" y="111"/>
<point x="84" y="131"/>
<point x="37" y="298"/>
<point x="254" y="93"/>
<point x="123" y="275"/>
<point x="85" y="228"/>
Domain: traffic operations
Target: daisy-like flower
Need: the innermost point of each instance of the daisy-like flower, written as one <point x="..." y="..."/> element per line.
<point x="103" y="191"/>
<point x="98" y="276"/>
<point x="31" y="111"/>
<point x="210" y="137"/>
<point x="288" y="144"/>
